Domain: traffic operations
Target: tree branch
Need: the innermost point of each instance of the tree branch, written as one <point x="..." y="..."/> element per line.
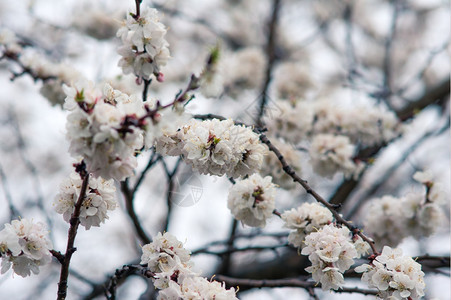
<point x="74" y="222"/>
<point x="286" y="282"/>
<point x="270" y="52"/>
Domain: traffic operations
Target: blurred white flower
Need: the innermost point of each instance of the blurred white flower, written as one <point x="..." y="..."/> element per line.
<point x="25" y="246"/>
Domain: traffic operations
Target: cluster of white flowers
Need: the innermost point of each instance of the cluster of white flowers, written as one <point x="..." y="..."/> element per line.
<point x="245" y="68"/>
<point x="216" y="147"/>
<point x="331" y="251"/>
<point x="394" y="275"/>
<point x="100" y="198"/>
<point x="273" y="167"/>
<point x="292" y="80"/>
<point x="104" y="129"/>
<point x="283" y="120"/>
<point x="145" y="49"/>
<point x="332" y="153"/>
<point x="366" y="126"/>
<point x="434" y="190"/>
<point x="9" y="42"/>
<point x="252" y="200"/>
<point x="385" y="222"/>
<point x="25" y="246"/>
<point x="96" y="20"/>
<point x="54" y="75"/>
<point x="170" y="262"/>
<point x="390" y="219"/>
<point x="305" y="219"/>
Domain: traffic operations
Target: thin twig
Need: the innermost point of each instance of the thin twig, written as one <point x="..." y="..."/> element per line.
<point x="150" y="164"/>
<point x="287" y="282"/>
<point x="129" y="199"/>
<point x="270" y="52"/>
<point x="13" y="211"/>
<point x="170" y="190"/>
<point x="70" y="249"/>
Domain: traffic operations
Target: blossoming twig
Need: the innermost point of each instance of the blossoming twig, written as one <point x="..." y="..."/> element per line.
<point x="74" y="222"/>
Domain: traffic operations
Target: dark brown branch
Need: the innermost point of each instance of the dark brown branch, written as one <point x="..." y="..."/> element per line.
<point x="170" y="190"/>
<point x="147" y="83"/>
<point x="230" y="250"/>
<point x="129" y="198"/>
<point x="270" y="52"/>
<point x="289" y="170"/>
<point x="13" y="211"/>
<point x="377" y="184"/>
<point x="121" y="274"/>
<point x="431" y="96"/>
<point x="287" y="282"/>
<point x="150" y="164"/>
<point x="225" y="264"/>
<point x="70" y="249"/>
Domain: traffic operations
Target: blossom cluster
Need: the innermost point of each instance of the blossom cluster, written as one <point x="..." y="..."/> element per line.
<point x="390" y="219"/>
<point x="307" y="218"/>
<point x="252" y="200"/>
<point x="9" y="43"/>
<point x="99" y="199"/>
<point x="367" y="126"/>
<point x="145" y="49"/>
<point x="332" y="153"/>
<point x="25" y="246"/>
<point x="52" y="74"/>
<point x="331" y="251"/>
<point x="103" y="129"/>
<point x="331" y="133"/>
<point x="170" y="263"/>
<point x="394" y="275"/>
<point x="216" y="147"/>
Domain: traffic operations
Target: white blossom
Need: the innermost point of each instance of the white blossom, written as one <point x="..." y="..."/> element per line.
<point x="145" y="49"/>
<point x="305" y="219"/>
<point x="291" y="121"/>
<point x="24" y="246"/>
<point x="165" y="254"/>
<point x="332" y="153"/>
<point x="9" y="41"/>
<point x="100" y="198"/>
<point x="367" y="126"/>
<point x="434" y="190"/>
<point x="201" y="288"/>
<point x="217" y="147"/>
<point x="394" y="275"/>
<point x="244" y="68"/>
<point x="104" y="129"/>
<point x="385" y="221"/>
<point x="332" y="252"/>
<point x="252" y="200"/>
<point x="389" y="219"/>
<point x="292" y="80"/>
